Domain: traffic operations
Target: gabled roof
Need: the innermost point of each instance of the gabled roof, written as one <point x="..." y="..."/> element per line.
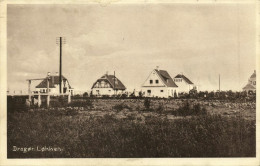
<point x="166" y="78"/>
<point x="184" y="78"/>
<point x="116" y="85"/>
<point x="54" y="80"/>
<point x="249" y="87"/>
<point x="253" y="75"/>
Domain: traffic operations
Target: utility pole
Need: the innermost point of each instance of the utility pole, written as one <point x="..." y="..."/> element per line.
<point x="114" y="82"/>
<point x="60" y="41"/>
<point x="60" y="62"/>
<point x="48" y="89"/>
<point x="219" y="82"/>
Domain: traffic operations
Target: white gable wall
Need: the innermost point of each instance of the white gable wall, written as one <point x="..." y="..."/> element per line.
<point x="154" y="87"/>
<point x="183" y="86"/>
<point x="153" y="76"/>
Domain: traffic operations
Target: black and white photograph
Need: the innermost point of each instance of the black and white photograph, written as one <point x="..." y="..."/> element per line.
<point x="122" y="80"/>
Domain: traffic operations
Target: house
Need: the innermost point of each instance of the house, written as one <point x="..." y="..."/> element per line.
<point x="107" y="85"/>
<point x="184" y="84"/>
<point x="54" y="85"/>
<point x="159" y="84"/>
<point x="251" y="85"/>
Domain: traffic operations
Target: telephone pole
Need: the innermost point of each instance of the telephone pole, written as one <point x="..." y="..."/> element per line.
<point x="219" y="82"/>
<point x="60" y="41"/>
<point x="114" y="82"/>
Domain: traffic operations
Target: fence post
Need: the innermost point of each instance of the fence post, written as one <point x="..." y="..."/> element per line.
<point x="69" y="98"/>
<point x="29" y="92"/>
<point x="48" y="94"/>
<point x="39" y="101"/>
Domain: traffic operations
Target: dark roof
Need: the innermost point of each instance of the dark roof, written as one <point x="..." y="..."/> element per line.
<point x="184" y="78"/>
<point x="253" y="75"/>
<point x="110" y="79"/>
<point x="54" y="80"/>
<point x="164" y="75"/>
<point x="249" y="87"/>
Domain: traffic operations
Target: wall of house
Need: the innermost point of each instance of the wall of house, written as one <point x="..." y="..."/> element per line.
<point x="252" y="81"/>
<point x="183" y="86"/>
<point x="105" y="91"/>
<point x="159" y="91"/>
<point x="156" y="81"/>
<point x="56" y="90"/>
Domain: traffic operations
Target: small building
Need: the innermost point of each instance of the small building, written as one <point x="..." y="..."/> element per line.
<point x="159" y="84"/>
<point x="251" y="84"/>
<point x="54" y="84"/>
<point x="184" y="84"/>
<point x="108" y="85"/>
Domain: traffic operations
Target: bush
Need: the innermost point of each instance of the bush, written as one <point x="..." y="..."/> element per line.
<point x="120" y="107"/>
<point x="187" y="110"/>
<point x="85" y="103"/>
<point x="147" y="103"/>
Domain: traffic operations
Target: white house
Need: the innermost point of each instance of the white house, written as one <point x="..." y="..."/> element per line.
<point x="184" y="84"/>
<point x="251" y="85"/>
<point x="54" y="85"/>
<point x="159" y="84"/>
<point x="108" y="85"/>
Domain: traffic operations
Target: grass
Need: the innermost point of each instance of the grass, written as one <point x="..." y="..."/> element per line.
<point x="92" y="136"/>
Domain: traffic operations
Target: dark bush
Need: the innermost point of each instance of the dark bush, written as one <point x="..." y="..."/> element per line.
<point x="84" y="103"/>
<point x="120" y="107"/>
<point x="147" y="103"/>
<point x="187" y="110"/>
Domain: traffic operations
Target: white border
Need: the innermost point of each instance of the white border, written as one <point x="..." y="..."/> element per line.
<point x="110" y="161"/>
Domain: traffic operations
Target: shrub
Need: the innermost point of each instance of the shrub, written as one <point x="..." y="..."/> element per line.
<point x="120" y="107"/>
<point x="187" y="110"/>
<point x="147" y="103"/>
<point x="85" y="103"/>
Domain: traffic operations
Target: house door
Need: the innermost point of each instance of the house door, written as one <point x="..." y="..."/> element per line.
<point x="149" y="92"/>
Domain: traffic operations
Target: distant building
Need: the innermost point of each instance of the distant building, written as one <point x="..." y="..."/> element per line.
<point x="159" y="84"/>
<point x="184" y="84"/>
<point x="108" y="85"/>
<point x="251" y="85"/>
<point x="54" y="85"/>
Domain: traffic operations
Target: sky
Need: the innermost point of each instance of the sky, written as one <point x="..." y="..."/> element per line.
<point x="199" y="40"/>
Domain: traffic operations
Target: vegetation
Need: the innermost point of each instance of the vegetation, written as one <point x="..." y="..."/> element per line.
<point x="188" y="110"/>
<point x="89" y="127"/>
<point x="108" y="136"/>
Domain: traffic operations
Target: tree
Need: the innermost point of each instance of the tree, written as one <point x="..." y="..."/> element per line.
<point x="85" y="94"/>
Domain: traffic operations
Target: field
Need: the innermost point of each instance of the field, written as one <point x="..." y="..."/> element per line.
<point x="133" y="128"/>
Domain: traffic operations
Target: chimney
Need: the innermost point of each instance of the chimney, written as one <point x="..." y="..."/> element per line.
<point x="254" y="71"/>
<point x="157" y="68"/>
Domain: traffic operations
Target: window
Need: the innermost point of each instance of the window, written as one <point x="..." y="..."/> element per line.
<point x="151" y="81"/>
<point x="161" y="90"/>
<point x="148" y="91"/>
<point x="157" y="81"/>
<point x="254" y="82"/>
